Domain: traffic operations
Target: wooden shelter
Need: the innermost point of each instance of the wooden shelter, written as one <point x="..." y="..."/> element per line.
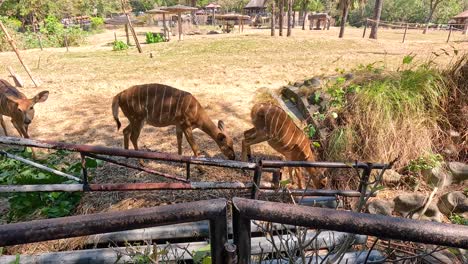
<point x="255" y="7"/>
<point x="229" y="20"/>
<point x="214" y="8"/>
<point x="462" y="21"/>
<point x="179" y="9"/>
<point x="321" y="19"/>
<point x="119" y="21"/>
<point x="158" y="11"/>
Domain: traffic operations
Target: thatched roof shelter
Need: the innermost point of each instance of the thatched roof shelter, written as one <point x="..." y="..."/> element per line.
<point x="256" y="4"/>
<point x="119" y="20"/>
<point x="212" y="6"/>
<point x="232" y="17"/>
<point x="179" y="9"/>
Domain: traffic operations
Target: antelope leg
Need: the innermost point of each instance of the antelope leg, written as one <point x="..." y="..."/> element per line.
<point x="188" y="135"/>
<point x="2" y="122"/>
<point x="180" y="135"/>
<point x="251" y="137"/>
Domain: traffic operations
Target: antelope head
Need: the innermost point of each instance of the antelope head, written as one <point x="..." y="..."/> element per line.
<point x="225" y="142"/>
<point x="24" y="112"/>
<point x="318" y="178"/>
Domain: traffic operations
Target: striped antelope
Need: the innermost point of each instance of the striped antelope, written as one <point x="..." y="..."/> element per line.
<point x="161" y="105"/>
<point x="273" y="125"/>
<point x="16" y="105"/>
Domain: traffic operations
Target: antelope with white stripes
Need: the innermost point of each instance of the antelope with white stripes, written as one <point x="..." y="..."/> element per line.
<point x="273" y="125"/>
<point x="161" y="105"/>
<point x="16" y="105"/>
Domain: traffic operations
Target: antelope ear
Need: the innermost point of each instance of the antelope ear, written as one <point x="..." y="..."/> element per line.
<point x="221" y="125"/>
<point x="13" y="99"/>
<point x="41" y="97"/>
<point x="221" y="137"/>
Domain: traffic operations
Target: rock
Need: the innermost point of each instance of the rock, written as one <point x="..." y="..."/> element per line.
<point x="391" y="177"/>
<point x="298" y="84"/>
<point x="453" y="202"/>
<point x="440" y="257"/>
<point x="349" y="76"/>
<point x="432" y="214"/>
<point x="212" y="32"/>
<point x="437" y="176"/>
<point x="380" y="206"/>
<point x="314" y="82"/>
<point x="459" y="171"/>
<point x="408" y="202"/>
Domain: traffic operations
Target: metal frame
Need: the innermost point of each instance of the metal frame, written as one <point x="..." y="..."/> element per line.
<point x="245" y="210"/>
<point x="96" y="152"/>
<point x="66" y="227"/>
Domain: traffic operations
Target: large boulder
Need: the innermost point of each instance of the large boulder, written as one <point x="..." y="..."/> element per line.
<point x="379" y="206"/>
<point x="391" y="177"/>
<point x="453" y="202"/>
<point x="408" y="202"/>
<point x="313" y="82"/>
<point x="432" y="214"/>
<point x="459" y="171"/>
<point x="438" y="177"/>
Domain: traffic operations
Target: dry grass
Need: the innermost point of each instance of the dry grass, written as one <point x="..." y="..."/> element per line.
<point x="222" y="71"/>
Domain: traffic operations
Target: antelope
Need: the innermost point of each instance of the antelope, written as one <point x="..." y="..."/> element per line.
<point x="273" y="125"/>
<point x="16" y="105"/>
<point x="161" y="105"/>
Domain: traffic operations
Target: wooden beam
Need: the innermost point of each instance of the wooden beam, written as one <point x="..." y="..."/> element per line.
<point x="13" y="45"/>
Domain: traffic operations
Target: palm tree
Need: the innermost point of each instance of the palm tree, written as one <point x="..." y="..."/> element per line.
<point x="377" y="13"/>
<point x="345" y="5"/>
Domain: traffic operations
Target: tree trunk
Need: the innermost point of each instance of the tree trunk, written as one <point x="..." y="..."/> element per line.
<point x="293" y="18"/>
<point x="304" y="20"/>
<point x="273" y="24"/>
<point x="375" y="24"/>
<point x="344" y="18"/>
<point x="432" y="7"/>
<point x="289" y="18"/>
<point x="281" y="16"/>
<point x="192" y="14"/>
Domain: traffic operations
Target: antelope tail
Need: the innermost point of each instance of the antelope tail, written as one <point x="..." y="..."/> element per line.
<point x="115" y="110"/>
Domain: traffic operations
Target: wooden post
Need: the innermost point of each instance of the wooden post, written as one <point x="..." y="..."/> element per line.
<point x="273" y="24"/>
<point x="179" y="22"/>
<point x="242" y="20"/>
<point x="450" y="33"/>
<point x="129" y="22"/>
<point x="365" y="28"/>
<point x="66" y="42"/>
<point x="115" y="37"/>
<point x="166" y="31"/>
<point x="404" y="35"/>
<point x="239" y="21"/>
<point x="13" y="45"/>
<point x="39" y="38"/>
<point x="16" y="78"/>
<point x="465" y="28"/>
<point x="213" y="20"/>
<point x="127" y="35"/>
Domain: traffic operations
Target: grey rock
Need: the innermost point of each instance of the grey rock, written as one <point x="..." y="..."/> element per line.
<point x="459" y="171"/>
<point x="380" y="206"/>
<point x="408" y="202"/>
<point x="313" y="82"/>
<point x="440" y="257"/>
<point x="349" y="76"/>
<point x="432" y="214"/>
<point x="391" y="177"/>
<point x="438" y="176"/>
<point x="298" y="84"/>
<point x="453" y="202"/>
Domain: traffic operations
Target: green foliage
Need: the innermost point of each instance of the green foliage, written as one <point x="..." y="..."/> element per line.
<point x="425" y="162"/>
<point x="49" y="204"/>
<point x="97" y="23"/>
<point x="310" y="130"/>
<point x="337" y="93"/>
<point x="202" y="255"/>
<point x="458" y="219"/>
<point x="153" y="38"/>
<point x="119" y="45"/>
<point x="52" y="26"/>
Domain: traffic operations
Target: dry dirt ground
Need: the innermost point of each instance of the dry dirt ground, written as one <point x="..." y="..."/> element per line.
<point x="223" y="72"/>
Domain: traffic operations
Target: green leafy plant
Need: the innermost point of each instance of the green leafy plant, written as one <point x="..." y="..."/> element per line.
<point x="48" y="204"/>
<point x="119" y="45"/>
<point x="153" y="38"/>
<point x="97" y="23"/>
<point x="202" y="255"/>
<point x="458" y="219"/>
<point x="310" y="130"/>
<point x="425" y="162"/>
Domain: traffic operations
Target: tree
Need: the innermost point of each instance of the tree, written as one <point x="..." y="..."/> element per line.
<point x="281" y="17"/>
<point x="432" y="7"/>
<point x="345" y="6"/>
<point x="288" y="34"/>
<point x="377" y="14"/>
<point x="304" y="5"/>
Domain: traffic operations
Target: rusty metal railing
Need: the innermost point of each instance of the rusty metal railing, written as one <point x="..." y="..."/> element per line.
<point x="245" y="210"/>
<point x="66" y="227"/>
<point x="97" y="152"/>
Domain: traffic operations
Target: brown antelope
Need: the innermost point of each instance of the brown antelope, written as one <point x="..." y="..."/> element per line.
<point x="161" y="105"/>
<point x="273" y="125"/>
<point x="16" y="105"/>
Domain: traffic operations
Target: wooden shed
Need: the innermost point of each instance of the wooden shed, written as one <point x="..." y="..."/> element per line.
<point x="461" y="21"/>
<point x="255" y="7"/>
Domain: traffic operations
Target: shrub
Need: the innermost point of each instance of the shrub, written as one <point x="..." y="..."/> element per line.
<point x="52" y="26"/>
<point x="97" y="23"/>
<point x="48" y="204"/>
<point x="153" y="38"/>
<point x="119" y="45"/>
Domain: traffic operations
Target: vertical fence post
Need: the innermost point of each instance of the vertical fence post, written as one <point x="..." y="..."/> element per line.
<point x="188" y="170"/>
<point x="365" y="28"/>
<point x="84" y="170"/>
<point x="39" y="38"/>
<point x="256" y="180"/>
<point x="241" y="230"/>
<point x="66" y="41"/>
<point x="365" y="179"/>
<point x="218" y="236"/>
<point x="230" y="255"/>
<point x="404" y="35"/>
<point x="450" y="33"/>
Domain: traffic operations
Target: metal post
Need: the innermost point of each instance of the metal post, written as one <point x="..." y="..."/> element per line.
<point x="85" y="171"/>
<point x="241" y="231"/>
<point x="230" y="255"/>
<point x="188" y="170"/>
<point x="404" y="36"/>
<point x="218" y="236"/>
<point x="276" y="177"/>
<point x="256" y="181"/>
<point x="450" y="33"/>
<point x="365" y="28"/>
<point x="365" y="179"/>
